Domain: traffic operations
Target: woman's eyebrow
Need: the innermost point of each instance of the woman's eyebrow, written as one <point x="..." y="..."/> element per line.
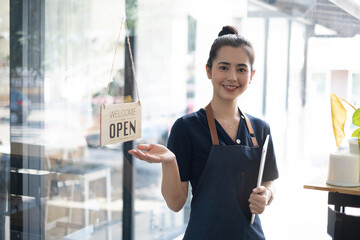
<point x="242" y="65"/>
<point x="238" y="65"/>
<point x="224" y="63"/>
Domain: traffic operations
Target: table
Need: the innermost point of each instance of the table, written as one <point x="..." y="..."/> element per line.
<point x="341" y="226"/>
<point x="36" y="167"/>
<point x="86" y="173"/>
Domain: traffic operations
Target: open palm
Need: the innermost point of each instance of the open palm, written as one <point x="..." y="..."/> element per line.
<point x="153" y="153"/>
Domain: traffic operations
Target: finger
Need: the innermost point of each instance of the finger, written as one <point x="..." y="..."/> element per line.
<point x="260" y="189"/>
<point x="135" y="152"/>
<point x="257" y="199"/>
<point x="259" y="204"/>
<point x="255" y="209"/>
<point x="142" y="155"/>
<point x="252" y="209"/>
<point x="132" y="151"/>
<point x="146" y="157"/>
<point x="256" y="206"/>
<point x="144" y="147"/>
<point x="137" y="155"/>
<point x="142" y="158"/>
<point x="257" y="196"/>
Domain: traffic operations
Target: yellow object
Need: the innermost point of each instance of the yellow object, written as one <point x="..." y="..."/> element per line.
<point x="128" y="99"/>
<point x="338" y="115"/>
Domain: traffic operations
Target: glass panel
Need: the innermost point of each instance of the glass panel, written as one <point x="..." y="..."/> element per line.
<point x="85" y="197"/>
<point x="4" y="73"/>
<point x="4" y="117"/>
<point x="355" y="90"/>
<point x="318" y="82"/>
<point x="160" y="36"/>
<point x="277" y="67"/>
<point x="70" y="185"/>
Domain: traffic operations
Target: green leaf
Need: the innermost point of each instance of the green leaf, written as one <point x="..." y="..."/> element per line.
<point x="356" y="117"/>
<point x="356" y="133"/>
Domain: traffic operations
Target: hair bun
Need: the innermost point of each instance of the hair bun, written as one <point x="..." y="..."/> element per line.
<point x="227" y="30"/>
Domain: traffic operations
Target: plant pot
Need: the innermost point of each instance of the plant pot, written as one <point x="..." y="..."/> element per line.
<point x="344" y="169"/>
<point x="354" y="146"/>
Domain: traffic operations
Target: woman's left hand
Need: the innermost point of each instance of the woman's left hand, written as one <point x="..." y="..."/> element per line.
<point x="258" y="200"/>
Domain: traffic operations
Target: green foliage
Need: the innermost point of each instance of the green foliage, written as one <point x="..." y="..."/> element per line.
<point x="356" y="122"/>
<point x="356" y="133"/>
<point x="356" y="117"/>
<point x="131" y="7"/>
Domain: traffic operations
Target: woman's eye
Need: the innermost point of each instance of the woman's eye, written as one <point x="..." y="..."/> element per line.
<point x="223" y="68"/>
<point x="242" y="70"/>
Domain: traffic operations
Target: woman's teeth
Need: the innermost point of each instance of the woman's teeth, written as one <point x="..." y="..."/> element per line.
<point x="230" y="87"/>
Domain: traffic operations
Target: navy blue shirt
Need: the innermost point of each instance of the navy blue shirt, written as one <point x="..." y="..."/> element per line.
<point x="190" y="141"/>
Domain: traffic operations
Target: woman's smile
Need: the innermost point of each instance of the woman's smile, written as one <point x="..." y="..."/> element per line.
<point x="230" y="88"/>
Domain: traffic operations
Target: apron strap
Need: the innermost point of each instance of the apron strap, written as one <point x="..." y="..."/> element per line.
<point x="212" y="127"/>
<point x="251" y="131"/>
<point x="211" y="122"/>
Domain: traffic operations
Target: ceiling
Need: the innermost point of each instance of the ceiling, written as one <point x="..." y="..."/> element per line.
<point x="341" y="16"/>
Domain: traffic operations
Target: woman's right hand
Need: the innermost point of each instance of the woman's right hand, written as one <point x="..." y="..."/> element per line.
<point x="153" y="153"/>
<point x="175" y="191"/>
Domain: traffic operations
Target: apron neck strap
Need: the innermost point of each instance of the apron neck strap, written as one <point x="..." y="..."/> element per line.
<point x="212" y="127"/>
<point x="251" y="131"/>
<point x="211" y="122"/>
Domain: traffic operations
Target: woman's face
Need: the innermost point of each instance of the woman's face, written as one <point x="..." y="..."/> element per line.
<point x="230" y="73"/>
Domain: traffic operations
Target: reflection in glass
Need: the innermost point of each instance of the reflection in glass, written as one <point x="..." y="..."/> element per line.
<point x="60" y="60"/>
<point x="86" y="194"/>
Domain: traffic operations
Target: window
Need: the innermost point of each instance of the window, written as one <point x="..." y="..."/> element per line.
<point x="56" y="182"/>
<point x="355" y="90"/>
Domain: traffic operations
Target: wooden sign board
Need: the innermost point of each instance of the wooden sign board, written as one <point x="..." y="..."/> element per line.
<point x="120" y="123"/>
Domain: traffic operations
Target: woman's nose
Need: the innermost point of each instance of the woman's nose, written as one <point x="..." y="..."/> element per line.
<point x="233" y="76"/>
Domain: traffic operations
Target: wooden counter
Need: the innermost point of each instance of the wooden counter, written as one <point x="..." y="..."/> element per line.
<point x="320" y="184"/>
<point x="340" y="225"/>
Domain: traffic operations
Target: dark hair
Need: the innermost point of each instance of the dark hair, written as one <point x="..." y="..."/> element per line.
<point x="229" y="36"/>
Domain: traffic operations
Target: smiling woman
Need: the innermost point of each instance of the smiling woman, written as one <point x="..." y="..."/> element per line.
<point x="214" y="159"/>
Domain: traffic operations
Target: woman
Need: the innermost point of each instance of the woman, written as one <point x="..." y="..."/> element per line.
<point x="218" y="150"/>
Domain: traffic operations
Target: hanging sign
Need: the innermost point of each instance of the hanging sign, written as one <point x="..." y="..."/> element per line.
<point x="120" y="123"/>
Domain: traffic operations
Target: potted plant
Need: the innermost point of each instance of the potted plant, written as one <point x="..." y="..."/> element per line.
<point x="344" y="164"/>
<point x="339" y="114"/>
